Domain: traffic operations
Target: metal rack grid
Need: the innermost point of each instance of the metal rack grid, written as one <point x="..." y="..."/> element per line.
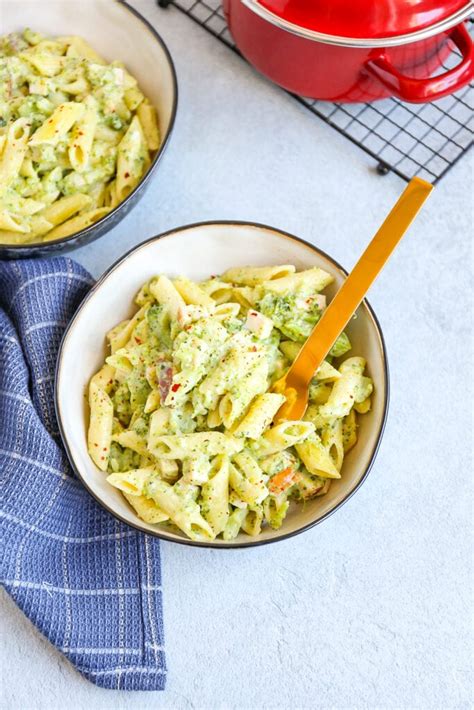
<point x="407" y="139"/>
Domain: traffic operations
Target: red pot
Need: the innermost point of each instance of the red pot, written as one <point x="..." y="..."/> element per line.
<point x="356" y="50"/>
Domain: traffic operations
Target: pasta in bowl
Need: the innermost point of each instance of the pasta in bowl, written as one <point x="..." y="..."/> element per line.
<point x="79" y="134"/>
<point x="182" y="410"/>
<point x="177" y="434"/>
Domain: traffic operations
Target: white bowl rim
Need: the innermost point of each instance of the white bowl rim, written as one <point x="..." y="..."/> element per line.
<point x="162" y="534"/>
<point x="155" y="161"/>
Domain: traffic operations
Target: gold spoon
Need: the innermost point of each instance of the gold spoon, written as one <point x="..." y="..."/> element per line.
<point x="294" y="385"/>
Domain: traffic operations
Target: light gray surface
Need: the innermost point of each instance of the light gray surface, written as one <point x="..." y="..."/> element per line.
<point x="367" y="610"/>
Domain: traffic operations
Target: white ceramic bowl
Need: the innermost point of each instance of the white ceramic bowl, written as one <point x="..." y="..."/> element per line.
<point x="116" y="31"/>
<point x="198" y="251"/>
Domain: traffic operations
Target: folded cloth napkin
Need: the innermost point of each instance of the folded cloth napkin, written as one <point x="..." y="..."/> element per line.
<point x="89" y="583"/>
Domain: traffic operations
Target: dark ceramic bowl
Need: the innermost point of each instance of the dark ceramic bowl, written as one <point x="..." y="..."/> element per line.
<point x="116" y="31"/>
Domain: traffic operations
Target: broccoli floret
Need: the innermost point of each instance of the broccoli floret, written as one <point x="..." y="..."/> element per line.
<point x="122" y="459"/>
<point x="294" y="315"/>
<point x="341" y="346"/>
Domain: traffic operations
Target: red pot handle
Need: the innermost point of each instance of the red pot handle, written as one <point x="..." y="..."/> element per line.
<point x="421" y="90"/>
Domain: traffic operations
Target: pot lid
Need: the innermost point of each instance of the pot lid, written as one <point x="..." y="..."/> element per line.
<point x="366" y="19"/>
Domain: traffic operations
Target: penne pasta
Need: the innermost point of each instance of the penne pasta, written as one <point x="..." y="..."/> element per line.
<point x="132" y="159"/>
<point x="82" y="136"/>
<point x="168" y="296"/>
<point x="317" y="458"/>
<point x="149" y="123"/>
<point x="133" y="97"/>
<point x="191" y="293"/>
<point x="183" y="407"/>
<point x="260" y="415"/>
<point x="100" y="426"/>
<point x="284" y="435"/>
<point x="62" y="209"/>
<point x="74" y="126"/>
<point x="315" y="279"/>
<point x="58" y="124"/>
<point x="14" y="151"/>
<point x="253" y="275"/>
<point x="146" y="509"/>
<point x="215" y="495"/>
<point x="76" y="224"/>
<point x="78" y="47"/>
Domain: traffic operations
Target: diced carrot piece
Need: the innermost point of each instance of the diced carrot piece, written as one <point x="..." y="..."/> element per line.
<point x="282" y="480"/>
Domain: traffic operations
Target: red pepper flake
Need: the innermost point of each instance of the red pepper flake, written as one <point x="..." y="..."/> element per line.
<point x="253" y="349"/>
<point x="175" y="387"/>
<point x="253" y="313"/>
<point x="126" y="175"/>
<point x="138" y="340"/>
<point x="102" y="458"/>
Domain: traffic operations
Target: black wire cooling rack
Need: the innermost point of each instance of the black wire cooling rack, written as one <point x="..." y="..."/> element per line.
<point x="407" y="139"/>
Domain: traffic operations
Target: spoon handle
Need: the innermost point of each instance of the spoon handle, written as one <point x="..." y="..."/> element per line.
<point x="354" y="288"/>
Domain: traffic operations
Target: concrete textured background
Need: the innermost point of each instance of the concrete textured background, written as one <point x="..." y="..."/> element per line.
<point x="369" y="609"/>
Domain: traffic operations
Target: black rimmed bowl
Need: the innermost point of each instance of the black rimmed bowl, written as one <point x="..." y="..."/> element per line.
<point x="197" y="251"/>
<point x="116" y="31"/>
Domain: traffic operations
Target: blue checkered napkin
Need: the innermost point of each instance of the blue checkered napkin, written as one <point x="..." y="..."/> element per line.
<point x="89" y="583"/>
